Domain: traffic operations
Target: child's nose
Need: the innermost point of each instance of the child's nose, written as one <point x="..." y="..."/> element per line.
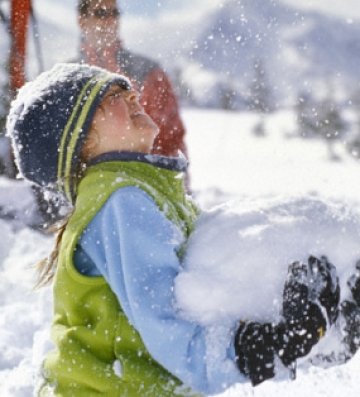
<point x="134" y="101"/>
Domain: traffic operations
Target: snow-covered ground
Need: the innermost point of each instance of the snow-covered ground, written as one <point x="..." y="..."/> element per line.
<point x="282" y="200"/>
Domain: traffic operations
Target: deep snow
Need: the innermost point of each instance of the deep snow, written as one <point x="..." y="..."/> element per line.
<point x="283" y="199"/>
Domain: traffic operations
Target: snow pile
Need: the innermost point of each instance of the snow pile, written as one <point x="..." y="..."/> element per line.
<point x="16" y="204"/>
<point x="6" y="240"/>
<point x="25" y="313"/>
<point x="239" y="254"/>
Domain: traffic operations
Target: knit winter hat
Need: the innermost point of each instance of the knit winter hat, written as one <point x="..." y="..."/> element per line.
<point x="50" y="118"/>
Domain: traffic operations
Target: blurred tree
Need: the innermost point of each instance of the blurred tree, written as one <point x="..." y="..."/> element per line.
<point x="182" y="89"/>
<point x="331" y="124"/>
<point x="16" y="21"/>
<point x="4" y="71"/>
<point x="260" y="92"/>
<point x="353" y="145"/>
<point x="356" y="107"/>
<point x="7" y="166"/>
<point x="306" y="116"/>
<point x="227" y="95"/>
<point x="4" y="97"/>
<point x="320" y="119"/>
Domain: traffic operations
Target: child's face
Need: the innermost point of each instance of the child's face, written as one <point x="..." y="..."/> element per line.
<point x="120" y="124"/>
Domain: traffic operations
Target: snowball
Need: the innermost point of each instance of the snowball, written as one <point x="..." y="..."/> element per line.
<point x="237" y="258"/>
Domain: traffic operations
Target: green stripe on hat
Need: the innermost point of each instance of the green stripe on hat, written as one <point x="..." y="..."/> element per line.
<point x="69" y="152"/>
<point x="62" y="151"/>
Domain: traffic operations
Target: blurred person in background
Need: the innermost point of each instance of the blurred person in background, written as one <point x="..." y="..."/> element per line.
<point x="99" y="22"/>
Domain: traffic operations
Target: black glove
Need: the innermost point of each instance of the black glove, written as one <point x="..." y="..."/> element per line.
<point x="354" y="284"/>
<point x="350" y="311"/>
<point x="254" y="349"/>
<point x="325" y="286"/>
<point x="308" y="288"/>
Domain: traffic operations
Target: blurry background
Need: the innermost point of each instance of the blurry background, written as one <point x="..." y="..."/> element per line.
<point x="258" y="55"/>
<point x="239" y="55"/>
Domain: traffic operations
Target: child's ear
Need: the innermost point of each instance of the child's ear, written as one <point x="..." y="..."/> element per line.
<point x="90" y="144"/>
<point x="81" y="22"/>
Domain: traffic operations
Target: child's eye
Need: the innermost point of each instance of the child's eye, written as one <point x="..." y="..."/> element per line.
<point x="114" y="96"/>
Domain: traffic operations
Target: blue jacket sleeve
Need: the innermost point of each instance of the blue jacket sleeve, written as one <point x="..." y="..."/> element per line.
<point x="133" y="245"/>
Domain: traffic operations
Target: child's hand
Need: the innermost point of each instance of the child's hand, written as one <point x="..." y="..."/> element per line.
<point x="354" y="284"/>
<point x="254" y="350"/>
<point x="314" y="282"/>
<point x="311" y="298"/>
<point x="350" y="313"/>
<point x="310" y="301"/>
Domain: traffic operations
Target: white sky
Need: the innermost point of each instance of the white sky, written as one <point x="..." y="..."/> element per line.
<point x="342" y="8"/>
<point x="184" y="13"/>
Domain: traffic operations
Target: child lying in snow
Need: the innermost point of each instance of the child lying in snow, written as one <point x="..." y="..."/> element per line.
<point x="81" y="131"/>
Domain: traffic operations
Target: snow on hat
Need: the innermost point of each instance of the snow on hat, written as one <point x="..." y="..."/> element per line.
<point x="50" y="118"/>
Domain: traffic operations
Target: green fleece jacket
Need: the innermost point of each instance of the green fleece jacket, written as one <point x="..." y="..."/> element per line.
<point x="94" y="340"/>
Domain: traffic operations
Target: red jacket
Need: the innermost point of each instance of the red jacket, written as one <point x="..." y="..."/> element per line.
<point x="157" y="95"/>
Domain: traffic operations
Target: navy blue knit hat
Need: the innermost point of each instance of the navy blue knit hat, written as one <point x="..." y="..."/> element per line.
<point x="50" y="118"/>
